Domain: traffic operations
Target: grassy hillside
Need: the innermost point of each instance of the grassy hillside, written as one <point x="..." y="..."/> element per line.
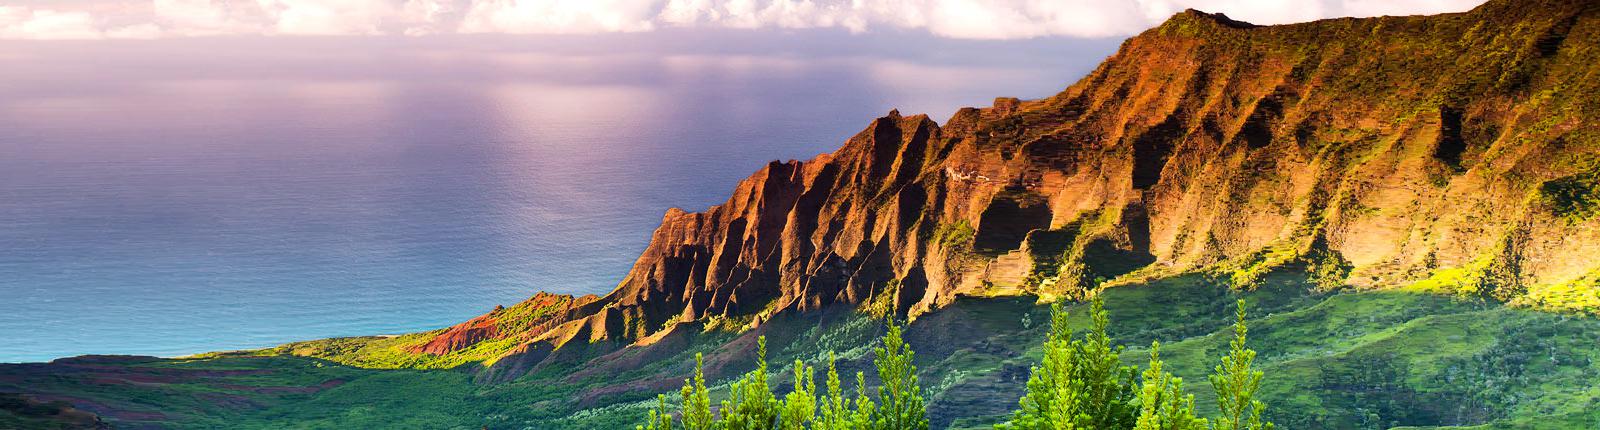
<point x="1358" y="360"/>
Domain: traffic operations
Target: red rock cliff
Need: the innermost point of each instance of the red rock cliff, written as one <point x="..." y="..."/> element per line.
<point x="1454" y="152"/>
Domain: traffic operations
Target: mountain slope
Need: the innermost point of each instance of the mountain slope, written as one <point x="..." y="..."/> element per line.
<point x="1455" y="153"/>
<point x="1361" y="360"/>
<point x="1353" y="179"/>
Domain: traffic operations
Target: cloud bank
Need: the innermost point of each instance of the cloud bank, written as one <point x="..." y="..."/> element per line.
<point x="959" y="19"/>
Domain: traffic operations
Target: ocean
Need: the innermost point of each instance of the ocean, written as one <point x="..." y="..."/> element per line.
<point x="175" y="197"/>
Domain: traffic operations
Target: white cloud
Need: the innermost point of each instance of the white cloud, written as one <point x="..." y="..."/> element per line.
<point x="967" y="19"/>
<point x="206" y="17"/>
<point x="136" y="31"/>
<point x="559" y="16"/>
<point x="420" y="16"/>
<point x="330" y="16"/>
<point x="46" y="24"/>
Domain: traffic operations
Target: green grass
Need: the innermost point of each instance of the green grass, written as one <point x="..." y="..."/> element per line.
<point x="1367" y="360"/>
<point x="385" y="352"/>
<point x="396" y="352"/>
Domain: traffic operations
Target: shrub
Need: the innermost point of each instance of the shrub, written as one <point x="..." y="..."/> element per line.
<point x="752" y="405"/>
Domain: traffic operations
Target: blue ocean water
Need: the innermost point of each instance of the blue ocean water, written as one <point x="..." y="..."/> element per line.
<point x="172" y="197"/>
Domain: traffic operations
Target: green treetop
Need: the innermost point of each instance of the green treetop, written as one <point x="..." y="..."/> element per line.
<point x="1236" y="383"/>
<point x="1082" y="383"/>
<point x="1163" y="403"/>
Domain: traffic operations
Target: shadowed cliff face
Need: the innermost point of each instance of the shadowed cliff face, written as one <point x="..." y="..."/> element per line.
<point x="1453" y="153"/>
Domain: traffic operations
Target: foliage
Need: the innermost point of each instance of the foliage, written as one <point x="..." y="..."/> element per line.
<point x="696" y="399"/>
<point x="1327" y="269"/>
<point x="660" y="417"/>
<point x="1350" y="360"/>
<point x="956" y="234"/>
<point x="1236" y="384"/>
<point x="1466" y="281"/>
<point x="1248" y="271"/>
<point x="837" y="413"/>
<point x="882" y="302"/>
<point x="1581" y="295"/>
<point x="1163" y="404"/>
<point x="1575" y="198"/>
<point x="751" y="405"/>
<point x="1081" y="383"/>
<point x="900" y="402"/>
<point x="800" y="406"/>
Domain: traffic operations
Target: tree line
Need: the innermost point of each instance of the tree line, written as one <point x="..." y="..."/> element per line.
<point x="1080" y="384"/>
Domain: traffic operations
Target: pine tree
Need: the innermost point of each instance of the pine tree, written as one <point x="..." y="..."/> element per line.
<point x="750" y="404"/>
<point x="660" y="417"/>
<point x="1051" y="391"/>
<point x="800" y="406"/>
<point x="866" y="409"/>
<point x="1111" y="387"/>
<point x="1236" y="383"/>
<point x="696" y="400"/>
<point x="839" y="413"/>
<point x="1081" y="383"/>
<point x="1163" y="403"/>
<point x="845" y="414"/>
<point x="834" y="413"/>
<point x="901" y="404"/>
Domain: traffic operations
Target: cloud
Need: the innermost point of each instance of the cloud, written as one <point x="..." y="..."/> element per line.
<point x="46" y="24"/>
<point x="204" y="18"/>
<point x="559" y="16"/>
<point x="329" y="17"/>
<point x="961" y="19"/>
<point x="136" y="31"/>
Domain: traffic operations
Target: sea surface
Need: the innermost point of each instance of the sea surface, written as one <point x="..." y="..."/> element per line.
<point x="175" y="197"/>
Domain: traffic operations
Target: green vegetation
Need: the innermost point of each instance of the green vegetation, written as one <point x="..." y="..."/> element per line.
<point x="1326" y="268"/>
<point x="1355" y="360"/>
<point x="400" y="352"/>
<point x="1247" y="271"/>
<point x="1580" y="295"/>
<point x="17" y="412"/>
<point x="1164" y="405"/>
<point x="1236" y="383"/>
<point x="751" y="404"/>
<point x="388" y="352"/>
<point x="1575" y="198"/>
<point x="1071" y="261"/>
<point x="1083" y="384"/>
<point x="882" y="303"/>
<point x="1080" y="384"/>
<point x="956" y="234"/>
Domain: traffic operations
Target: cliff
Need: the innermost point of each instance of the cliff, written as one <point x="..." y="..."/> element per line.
<point x="1453" y="153"/>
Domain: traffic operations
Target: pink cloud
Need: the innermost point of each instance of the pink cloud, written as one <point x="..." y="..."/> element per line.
<point x="964" y="19"/>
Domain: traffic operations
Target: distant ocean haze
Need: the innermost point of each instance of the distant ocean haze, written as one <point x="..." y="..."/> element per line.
<point x="182" y="196"/>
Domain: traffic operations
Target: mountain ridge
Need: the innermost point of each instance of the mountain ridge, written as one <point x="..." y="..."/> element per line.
<point x="1374" y="190"/>
<point x="1452" y="153"/>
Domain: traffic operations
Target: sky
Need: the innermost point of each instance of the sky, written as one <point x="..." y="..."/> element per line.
<point x="952" y="19"/>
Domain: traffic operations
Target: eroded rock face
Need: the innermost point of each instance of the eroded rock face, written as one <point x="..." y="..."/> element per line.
<point x="527" y="320"/>
<point x="462" y="336"/>
<point x="1459" y="149"/>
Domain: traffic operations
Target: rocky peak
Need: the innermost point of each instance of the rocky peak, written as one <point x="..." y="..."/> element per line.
<point x="1457" y="153"/>
<point x="1196" y="17"/>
